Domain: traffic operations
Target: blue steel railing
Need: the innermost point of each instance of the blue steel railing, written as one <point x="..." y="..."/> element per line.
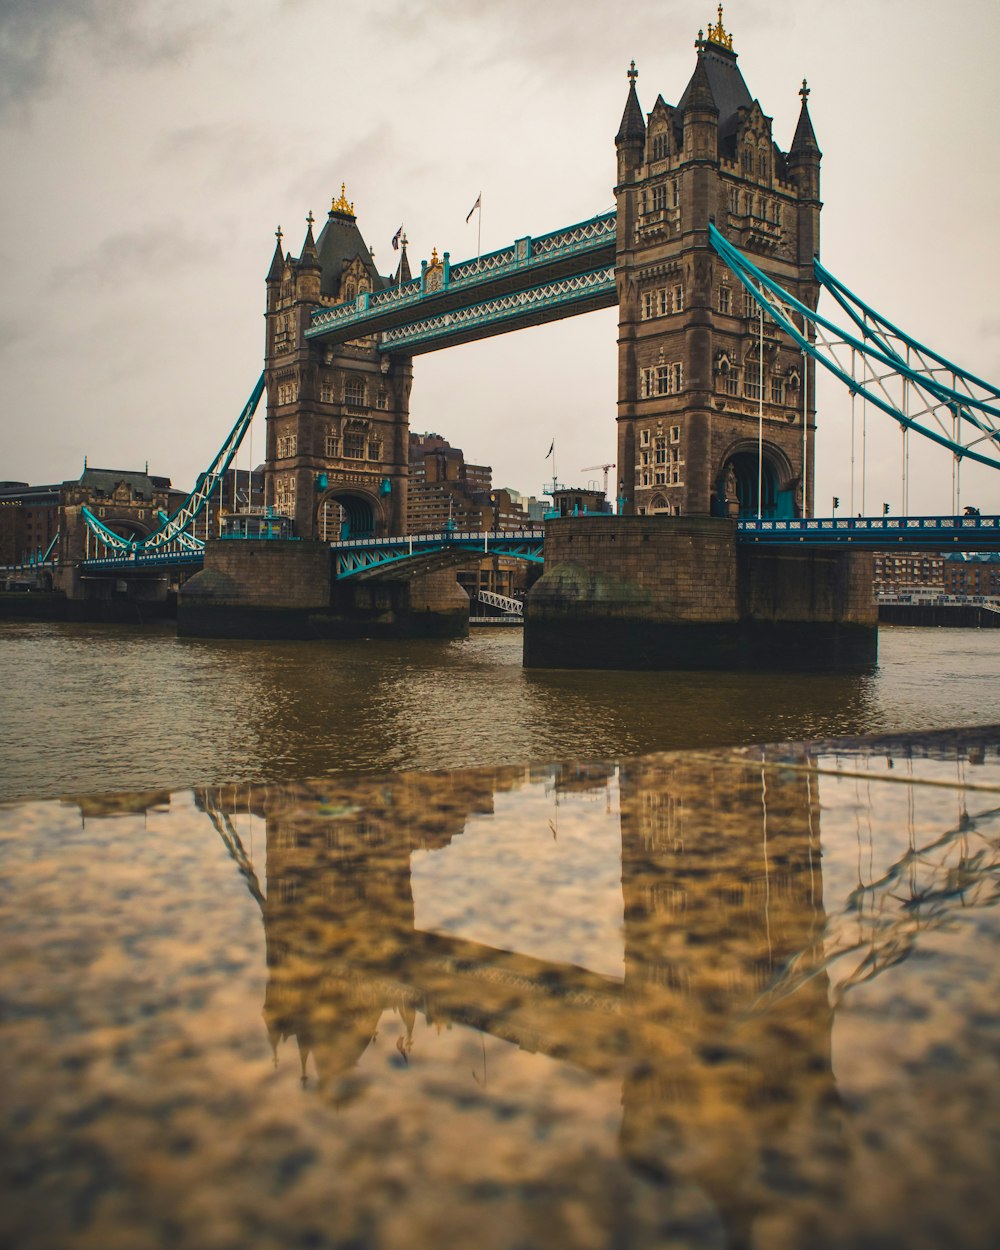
<point x="139" y="559"/>
<point x="521" y="258"/>
<point x="362" y="555"/>
<point x="974" y="532"/>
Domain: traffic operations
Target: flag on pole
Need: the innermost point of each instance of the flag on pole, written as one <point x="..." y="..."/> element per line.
<point x="395" y="239"/>
<point x="551" y="449"/>
<point x="478" y="204"/>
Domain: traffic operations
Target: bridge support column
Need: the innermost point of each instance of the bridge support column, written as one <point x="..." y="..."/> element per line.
<point x="286" y="590"/>
<point x="677" y="593"/>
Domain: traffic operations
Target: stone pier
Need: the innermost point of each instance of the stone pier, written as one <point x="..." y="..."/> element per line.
<point x="285" y="589"/>
<point x="658" y="592"/>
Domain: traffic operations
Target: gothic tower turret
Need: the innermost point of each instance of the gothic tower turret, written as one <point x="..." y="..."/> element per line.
<point x="338" y="417"/>
<point x="699" y="384"/>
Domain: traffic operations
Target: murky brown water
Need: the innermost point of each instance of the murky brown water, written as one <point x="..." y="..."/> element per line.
<point x="735" y="997"/>
<point x="92" y="708"/>
<point x="722" y="998"/>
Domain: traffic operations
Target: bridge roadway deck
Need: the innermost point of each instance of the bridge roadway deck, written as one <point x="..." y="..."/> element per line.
<point x="372" y="556"/>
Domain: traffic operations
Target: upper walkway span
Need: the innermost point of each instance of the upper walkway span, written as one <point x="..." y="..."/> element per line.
<point x="533" y="280"/>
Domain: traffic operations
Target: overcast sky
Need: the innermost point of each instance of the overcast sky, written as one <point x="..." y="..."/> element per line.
<point x="149" y="150"/>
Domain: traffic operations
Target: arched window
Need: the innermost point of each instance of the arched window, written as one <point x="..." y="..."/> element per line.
<point x="354" y="392"/>
<point x="349" y="293"/>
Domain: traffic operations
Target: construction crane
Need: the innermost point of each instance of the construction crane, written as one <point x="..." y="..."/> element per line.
<point x="605" y="467"/>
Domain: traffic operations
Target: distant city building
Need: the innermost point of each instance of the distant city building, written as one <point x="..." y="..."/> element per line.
<point x="444" y="490"/>
<point x="895" y="571"/>
<point x="29" y="521"/>
<point x="972" y="573"/>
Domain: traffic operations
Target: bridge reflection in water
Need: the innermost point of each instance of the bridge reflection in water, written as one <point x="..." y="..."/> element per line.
<point x="697" y="967"/>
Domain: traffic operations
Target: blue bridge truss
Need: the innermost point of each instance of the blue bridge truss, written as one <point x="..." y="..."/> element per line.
<point x="357" y="557"/>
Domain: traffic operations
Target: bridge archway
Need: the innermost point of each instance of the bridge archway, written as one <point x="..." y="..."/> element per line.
<point x="736" y="483"/>
<point x="344" y="513"/>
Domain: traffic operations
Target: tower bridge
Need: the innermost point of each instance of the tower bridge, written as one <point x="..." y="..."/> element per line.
<point x="711" y="255"/>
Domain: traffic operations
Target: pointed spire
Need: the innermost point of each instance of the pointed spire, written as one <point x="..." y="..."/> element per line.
<point x="804" y="143"/>
<point x="403" y="269"/>
<point x="277" y="260"/>
<point x="309" y="258"/>
<point x="633" y="128"/>
<point x="699" y="94"/>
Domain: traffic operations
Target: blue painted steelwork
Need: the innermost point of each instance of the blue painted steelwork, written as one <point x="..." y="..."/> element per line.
<point x="172" y="535"/>
<point x="525" y="264"/>
<point x="884" y="360"/>
<point x="513" y="311"/>
<point x="129" y="561"/>
<point x="367" y="555"/>
<point x="969" y="533"/>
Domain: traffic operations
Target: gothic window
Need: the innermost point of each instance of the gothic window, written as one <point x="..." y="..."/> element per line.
<point x="660" y="449"/>
<point x="354" y="445"/>
<point x="751" y="383"/>
<point x="678" y="299"/>
<point x="325" y="393"/>
<point x="382" y="399"/>
<point x="644" y="438"/>
<point x="660" y="146"/>
<point x="675" y="431"/>
<point x="374" y="449"/>
<point x="777" y="390"/>
<point x="749" y="305"/>
<point x="332" y="446"/>
<point x="349" y="293"/>
<point x="660" y="380"/>
<point x="725" y="300"/>
<point x="731" y="382"/>
<point x="747" y="162"/>
<point x="363" y="287"/>
<point x="287" y="446"/>
<point x="676" y="192"/>
<point x="284" y="495"/>
<point x="747" y="204"/>
<point x="734" y="200"/>
<point x="288" y="392"/>
<point x="649" y="303"/>
<point x="659" y="197"/>
<point x="354" y="392"/>
<point x="762" y="166"/>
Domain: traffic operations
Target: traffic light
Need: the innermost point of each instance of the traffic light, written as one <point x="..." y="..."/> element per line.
<point x="885" y="509"/>
<point x="836" y="502"/>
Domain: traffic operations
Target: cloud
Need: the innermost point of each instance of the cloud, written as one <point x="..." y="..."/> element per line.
<point x="158" y="249"/>
<point x="34" y="34"/>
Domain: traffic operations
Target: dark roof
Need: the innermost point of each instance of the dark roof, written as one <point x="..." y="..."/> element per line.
<point x="403" y="269"/>
<point x="338" y="243"/>
<point x="277" y="262"/>
<point x="805" y="136"/>
<point x="729" y="91"/>
<point x="104" y="481"/>
<point x="632" y="127"/>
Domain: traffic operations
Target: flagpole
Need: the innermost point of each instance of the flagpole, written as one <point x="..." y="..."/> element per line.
<point x="479" y="228"/>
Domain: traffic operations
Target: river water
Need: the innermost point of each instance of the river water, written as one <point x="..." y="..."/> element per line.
<point x="97" y="708"/>
<point x="378" y="947"/>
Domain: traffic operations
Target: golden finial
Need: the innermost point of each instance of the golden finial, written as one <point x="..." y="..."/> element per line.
<point x="717" y="34"/>
<point x="342" y="205"/>
<point x="434" y="258"/>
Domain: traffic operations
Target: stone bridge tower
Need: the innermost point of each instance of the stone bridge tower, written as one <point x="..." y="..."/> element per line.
<point x="690" y="398"/>
<point x="337" y="417"/>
